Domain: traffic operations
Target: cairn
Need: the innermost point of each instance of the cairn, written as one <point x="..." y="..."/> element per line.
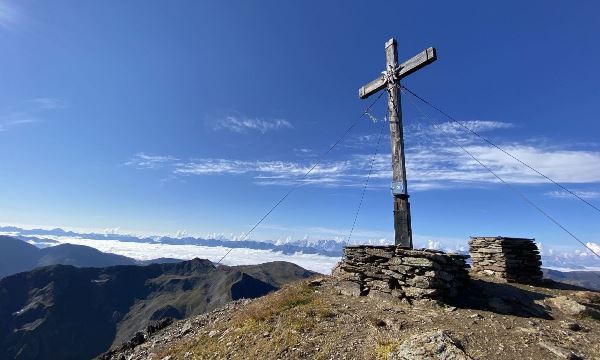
<point x="511" y="259"/>
<point x="394" y="272"/>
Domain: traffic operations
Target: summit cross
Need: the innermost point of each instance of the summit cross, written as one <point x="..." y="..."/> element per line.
<point x="390" y="80"/>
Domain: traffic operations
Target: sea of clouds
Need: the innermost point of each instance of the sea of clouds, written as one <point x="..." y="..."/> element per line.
<point x="316" y="255"/>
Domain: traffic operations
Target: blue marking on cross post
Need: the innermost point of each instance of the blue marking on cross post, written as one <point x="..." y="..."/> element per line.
<point x="398" y="188"/>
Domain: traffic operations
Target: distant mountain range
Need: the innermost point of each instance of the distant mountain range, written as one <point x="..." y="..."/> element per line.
<point x="17" y="255"/>
<point x="64" y="312"/>
<point x="323" y="247"/>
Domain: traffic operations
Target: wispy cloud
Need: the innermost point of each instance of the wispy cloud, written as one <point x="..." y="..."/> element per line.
<point x="304" y="152"/>
<point x="479" y="126"/>
<point x="427" y="168"/>
<point x="144" y="161"/>
<point x="242" y="124"/>
<point x="568" y="166"/>
<point x="266" y="172"/>
<point x="32" y="111"/>
<point x="365" y="142"/>
<point x="449" y="166"/>
<point x="433" y="162"/>
<point x="15" y="119"/>
<point x="45" y="103"/>
<point x="10" y="16"/>
<point x="584" y="194"/>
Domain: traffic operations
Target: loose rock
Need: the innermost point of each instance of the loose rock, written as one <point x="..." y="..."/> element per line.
<point x="558" y="351"/>
<point x="573" y="308"/>
<point x="435" y="345"/>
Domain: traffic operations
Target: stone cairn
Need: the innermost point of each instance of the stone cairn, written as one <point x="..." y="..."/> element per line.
<point x="510" y="259"/>
<point x="394" y="272"/>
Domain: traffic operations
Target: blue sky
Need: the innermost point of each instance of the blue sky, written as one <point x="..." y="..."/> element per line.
<point x="158" y="117"/>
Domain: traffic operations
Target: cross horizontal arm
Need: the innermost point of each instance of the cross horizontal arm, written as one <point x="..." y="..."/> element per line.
<point x="372" y="87"/>
<point x="418" y="61"/>
<point x="408" y="67"/>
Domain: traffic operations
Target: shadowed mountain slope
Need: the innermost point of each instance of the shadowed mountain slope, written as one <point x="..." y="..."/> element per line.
<point x="276" y="273"/>
<point x="16" y="256"/>
<point x="64" y="312"/>
<point x="586" y="279"/>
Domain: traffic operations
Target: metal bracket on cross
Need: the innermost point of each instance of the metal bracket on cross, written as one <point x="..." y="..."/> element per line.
<point x="390" y="75"/>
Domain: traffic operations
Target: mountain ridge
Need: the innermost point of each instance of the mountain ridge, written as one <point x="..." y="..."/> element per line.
<point x="65" y="312"/>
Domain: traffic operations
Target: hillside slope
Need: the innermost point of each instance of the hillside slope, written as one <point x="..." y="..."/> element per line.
<point x="313" y="320"/>
<point x="17" y="256"/>
<point x="63" y="312"/>
<point x="80" y="256"/>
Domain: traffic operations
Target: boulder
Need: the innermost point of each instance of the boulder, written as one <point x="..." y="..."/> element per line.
<point x="559" y="352"/>
<point x="434" y="345"/>
<point x="349" y="288"/>
<point x="573" y="308"/>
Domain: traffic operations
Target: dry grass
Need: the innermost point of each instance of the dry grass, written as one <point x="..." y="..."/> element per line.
<point x="296" y="322"/>
<point x="288" y="298"/>
<point x="271" y="325"/>
<point x="383" y="349"/>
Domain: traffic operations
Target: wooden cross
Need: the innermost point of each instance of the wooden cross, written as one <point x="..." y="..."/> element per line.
<point x="390" y="79"/>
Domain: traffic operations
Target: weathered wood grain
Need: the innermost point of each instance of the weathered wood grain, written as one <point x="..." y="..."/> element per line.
<point x="372" y="87"/>
<point x="417" y="62"/>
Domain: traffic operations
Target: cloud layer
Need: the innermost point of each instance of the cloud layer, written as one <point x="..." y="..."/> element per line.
<point x="318" y="255"/>
<point x="236" y="256"/>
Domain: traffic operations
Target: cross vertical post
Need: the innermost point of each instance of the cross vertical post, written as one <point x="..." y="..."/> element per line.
<point x="390" y="80"/>
<point x="402" y="225"/>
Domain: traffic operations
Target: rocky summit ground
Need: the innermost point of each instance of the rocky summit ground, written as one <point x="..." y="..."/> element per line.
<point x="312" y="319"/>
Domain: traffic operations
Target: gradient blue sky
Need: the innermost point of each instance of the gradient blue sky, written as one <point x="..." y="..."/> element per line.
<point x="158" y="116"/>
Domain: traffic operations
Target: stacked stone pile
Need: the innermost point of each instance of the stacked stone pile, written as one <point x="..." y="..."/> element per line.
<point x="511" y="259"/>
<point x="392" y="272"/>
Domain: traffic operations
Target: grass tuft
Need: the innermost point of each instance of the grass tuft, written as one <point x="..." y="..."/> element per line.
<point x="384" y="348"/>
